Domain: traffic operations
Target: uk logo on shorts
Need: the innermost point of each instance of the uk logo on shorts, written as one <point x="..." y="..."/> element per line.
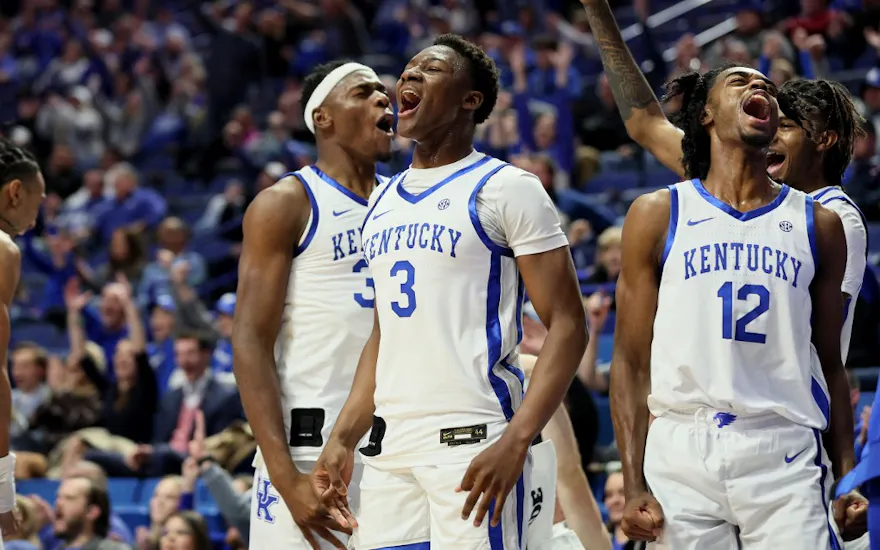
<point x="265" y="501"/>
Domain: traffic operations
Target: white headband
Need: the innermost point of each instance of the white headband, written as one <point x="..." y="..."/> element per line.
<point x="326" y="86"/>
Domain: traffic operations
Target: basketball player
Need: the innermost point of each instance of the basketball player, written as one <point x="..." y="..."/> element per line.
<point x="22" y="190"/>
<point x="818" y="126"/>
<point x="453" y="244"/>
<point x="305" y="302"/>
<point x="737" y="265"/>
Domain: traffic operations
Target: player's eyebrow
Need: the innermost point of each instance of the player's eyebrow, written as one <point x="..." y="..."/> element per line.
<point x="749" y="74"/>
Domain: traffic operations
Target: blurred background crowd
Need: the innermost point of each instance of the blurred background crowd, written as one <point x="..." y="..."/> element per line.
<point x="157" y="122"/>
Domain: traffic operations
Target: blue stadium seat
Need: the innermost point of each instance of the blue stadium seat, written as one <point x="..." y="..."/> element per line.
<point x="874" y="236"/>
<point x="866" y="399"/>
<point x="124" y="490"/>
<point x="605" y="181"/>
<point x="44" y="488"/>
<point x="134" y="515"/>
<point x="606" y="346"/>
<point x="203" y="496"/>
<point x="44" y="333"/>
<point x="213" y="519"/>
<point x="145" y="490"/>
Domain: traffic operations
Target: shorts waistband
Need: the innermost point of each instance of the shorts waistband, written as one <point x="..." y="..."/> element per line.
<point x="727" y="419"/>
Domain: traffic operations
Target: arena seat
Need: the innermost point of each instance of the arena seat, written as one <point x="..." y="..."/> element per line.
<point x="43" y="488"/>
<point x="124" y="491"/>
<point x="134" y="515"/>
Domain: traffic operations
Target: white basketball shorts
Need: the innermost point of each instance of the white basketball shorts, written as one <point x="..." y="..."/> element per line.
<point x="272" y="526"/>
<point x="417" y="508"/>
<point x="712" y="471"/>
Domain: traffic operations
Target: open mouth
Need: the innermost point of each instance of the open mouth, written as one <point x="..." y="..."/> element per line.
<point x="775" y="160"/>
<point x="409" y="101"/>
<point x="386" y="124"/>
<point x="757" y="106"/>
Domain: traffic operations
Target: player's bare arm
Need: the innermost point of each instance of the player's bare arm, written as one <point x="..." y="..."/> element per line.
<point x="828" y="308"/>
<point x="641" y="111"/>
<point x="552" y="287"/>
<point x="10" y="269"/>
<point x="644" y="232"/>
<point x="333" y="470"/>
<point x="272" y="226"/>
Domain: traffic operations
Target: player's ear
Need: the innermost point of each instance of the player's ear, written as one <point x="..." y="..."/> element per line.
<point x="13" y="190"/>
<point x="473" y="100"/>
<point x="707" y="117"/>
<point x="827" y="140"/>
<point x="322" y="118"/>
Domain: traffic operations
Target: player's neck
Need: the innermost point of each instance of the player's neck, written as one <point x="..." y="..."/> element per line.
<point x="737" y="175"/>
<point x="451" y="145"/>
<point x="357" y="176"/>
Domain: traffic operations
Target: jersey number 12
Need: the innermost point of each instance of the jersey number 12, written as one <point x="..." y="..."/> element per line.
<point x="742" y="334"/>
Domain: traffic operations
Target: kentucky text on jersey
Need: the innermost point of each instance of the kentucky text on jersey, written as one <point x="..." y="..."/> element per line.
<point x="346" y="244"/>
<point x="737" y="256"/>
<point x="426" y="236"/>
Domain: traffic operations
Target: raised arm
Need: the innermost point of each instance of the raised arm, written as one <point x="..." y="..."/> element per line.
<point x="637" y="288"/>
<point x="272" y="226"/>
<point x="638" y="106"/>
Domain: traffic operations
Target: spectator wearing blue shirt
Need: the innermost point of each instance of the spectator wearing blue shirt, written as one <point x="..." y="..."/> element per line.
<point x="130" y="206"/>
<point x="161" y="349"/>
<point x="59" y="265"/>
<point x="78" y="210"/>
<point x="221" y="361"/>
<point x="105" y="324"/>
<point x="173" y="236"/>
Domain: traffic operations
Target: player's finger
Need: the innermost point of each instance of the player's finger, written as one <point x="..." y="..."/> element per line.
<point x="500" y="498"/>
<point x="334" y="524"/>
<point x="485" y="504"/>
<point x="656" y="514"/>
<point x="471" y="500"/>
<point x="329" y="537"/>
<point x="335" y="474"/>
<point x="839" y="509"/>
<point x="310" y="538"/>
<point x="635" y="532"/>
<point x="467" y="481"/>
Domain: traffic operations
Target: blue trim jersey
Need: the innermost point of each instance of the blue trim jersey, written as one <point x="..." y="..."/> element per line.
<point x="732" y="330"/>
<point x="328" y="313"/>
<point x="855" y="228"/>
<point x="441" y="244"/>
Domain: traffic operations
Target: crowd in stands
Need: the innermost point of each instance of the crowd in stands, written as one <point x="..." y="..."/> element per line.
<point x="156" y="123"/>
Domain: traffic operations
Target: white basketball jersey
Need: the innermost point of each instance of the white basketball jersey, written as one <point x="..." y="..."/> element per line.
<point x="855" y="229"/>
<point x="449" y="302"/>
<point x="732" y="330"/>
<point x="328" y="314"/>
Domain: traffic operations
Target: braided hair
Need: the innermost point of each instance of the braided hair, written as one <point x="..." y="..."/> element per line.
<point x="819" y="106"/>
<point x="16" y="163"/>
<point x="693" y="88"/>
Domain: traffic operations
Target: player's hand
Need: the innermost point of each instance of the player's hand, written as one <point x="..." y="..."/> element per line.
<point x="851" y="515"/>
<point x="10" y="522"/>
<point x="642" y="518"/>
<point x="309" y="514"/>
<point x="331" y="476"/>
<point x="492" y="474"/>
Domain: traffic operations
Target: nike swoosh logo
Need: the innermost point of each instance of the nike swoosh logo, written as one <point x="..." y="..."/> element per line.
<point x="382" y="214"/>
<point x="790" y="459"/>
<point x="335" y="213"/>
<point x="698" y="222"/>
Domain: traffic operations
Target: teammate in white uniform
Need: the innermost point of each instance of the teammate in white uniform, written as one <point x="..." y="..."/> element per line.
<point x="811" y="150"/>
<point x="453" y="244"/>
<point x="305" y="301"/>
<point x="739" y="265"/>
<point x="22" y="190"/>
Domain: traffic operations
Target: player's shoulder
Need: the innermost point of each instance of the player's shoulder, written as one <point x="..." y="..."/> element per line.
<point x="509" y="181"/>
<point x="846" y="209"/>
<point x="654" y="204"/>
<point x="828" y="226"/>
<point x="8" y="249"/>
<point x="286" y="200"/>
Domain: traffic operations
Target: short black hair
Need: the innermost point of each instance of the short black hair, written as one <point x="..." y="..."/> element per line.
<point x="16" y="163"/>
<point x="693" y="88"/>
<point x="483" y="72"/>
<point x="206" y="342"/>
<point x="314" y="78"/>
<point x="819" y="106"/>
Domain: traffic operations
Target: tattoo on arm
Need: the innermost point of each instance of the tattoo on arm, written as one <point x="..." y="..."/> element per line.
<point x="629" y="86"/>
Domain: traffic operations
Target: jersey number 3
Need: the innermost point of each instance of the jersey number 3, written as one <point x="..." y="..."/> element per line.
<point x="742" y="334"/>
<point x="407" y="304"/>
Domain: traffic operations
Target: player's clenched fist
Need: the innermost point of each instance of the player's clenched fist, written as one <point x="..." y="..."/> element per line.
<point x="851" y="515"/>
<point x="642" y="518"/>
